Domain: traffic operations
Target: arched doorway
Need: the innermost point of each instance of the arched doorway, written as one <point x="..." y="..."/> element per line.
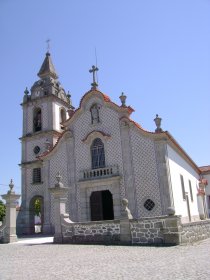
<point x="101" y="206"/>
<point x="36" y="212"/>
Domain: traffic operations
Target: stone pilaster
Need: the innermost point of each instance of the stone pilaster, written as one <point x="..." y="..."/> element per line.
<point x="59" y="193"/>
<point x="164" y="175"/>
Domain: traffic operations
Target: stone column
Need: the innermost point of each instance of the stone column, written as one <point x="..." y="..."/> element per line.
<point x="166" y="193"/>
<point x="10" y="198"/>
<point x="59" y="193"/>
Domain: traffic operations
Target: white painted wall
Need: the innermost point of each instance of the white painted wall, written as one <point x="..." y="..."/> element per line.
<point x="57" y="116"/>
<point x="177" y="166"/>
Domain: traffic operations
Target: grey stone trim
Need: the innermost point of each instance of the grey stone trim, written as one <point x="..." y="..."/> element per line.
<point x="46" y="98"/>
<point x="87" y="187"/>
<point x="129" y="178"/>
<point x="165" y="187"/>
<point x="36" y="135"/>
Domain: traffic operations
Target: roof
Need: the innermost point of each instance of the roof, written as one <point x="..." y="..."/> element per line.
<point x="205" y="169"/>
<point x="47" y="68"/>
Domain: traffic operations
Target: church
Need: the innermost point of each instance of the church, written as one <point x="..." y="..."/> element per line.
<point x="103" y="156"/>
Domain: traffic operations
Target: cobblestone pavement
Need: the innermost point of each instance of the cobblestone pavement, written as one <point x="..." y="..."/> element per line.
<point x="33" y="260"/>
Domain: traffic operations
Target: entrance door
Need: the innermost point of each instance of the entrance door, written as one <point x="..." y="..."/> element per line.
<point x="101" y="206"/>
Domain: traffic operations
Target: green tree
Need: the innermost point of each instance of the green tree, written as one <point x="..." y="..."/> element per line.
<point x="37" y="207"/>
<point x="2" y="210"/>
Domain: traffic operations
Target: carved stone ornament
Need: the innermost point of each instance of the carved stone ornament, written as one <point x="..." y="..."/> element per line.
<point x="94" y="114"/>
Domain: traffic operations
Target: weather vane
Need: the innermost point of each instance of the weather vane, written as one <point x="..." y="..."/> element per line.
<point x="48" y="45"/>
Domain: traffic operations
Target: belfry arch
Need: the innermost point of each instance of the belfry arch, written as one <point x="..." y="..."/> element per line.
<point x="37" y="119"/>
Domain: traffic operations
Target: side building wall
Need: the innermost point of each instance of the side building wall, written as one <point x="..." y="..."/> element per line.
<point x="178" y="166"/>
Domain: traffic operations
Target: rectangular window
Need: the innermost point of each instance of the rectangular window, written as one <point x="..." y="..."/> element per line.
<point x="37" y="175"/>
<point x="191" y="193"/>
<point x="183" y="188"/>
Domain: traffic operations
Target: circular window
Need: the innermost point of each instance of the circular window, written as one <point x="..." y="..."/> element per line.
<point x="36" y="150"/>
<point x="149" y="204"/>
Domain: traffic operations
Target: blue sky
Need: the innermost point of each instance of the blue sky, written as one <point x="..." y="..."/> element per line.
<point x="157" y="52"/>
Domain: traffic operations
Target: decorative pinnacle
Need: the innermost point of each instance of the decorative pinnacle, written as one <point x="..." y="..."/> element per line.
<point x="47" y="144"/>
<point x="26" y="91"/>
<point x="11" y="186"/>
<point x="123" y="99"/>
<point x="93" y="70"/>
<point x="157" y="121"/>
<point x="58" y="177"/>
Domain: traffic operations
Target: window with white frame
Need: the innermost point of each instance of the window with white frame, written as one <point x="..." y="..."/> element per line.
<point x="97" y="154"/>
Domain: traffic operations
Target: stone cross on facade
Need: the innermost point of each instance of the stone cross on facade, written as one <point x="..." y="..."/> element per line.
<point x="93" y="70"/>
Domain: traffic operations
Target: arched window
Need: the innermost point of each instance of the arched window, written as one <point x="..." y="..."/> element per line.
<point x="62" y="116"/>
<point x="97" y="154"/>
<point x="37" y="119"/>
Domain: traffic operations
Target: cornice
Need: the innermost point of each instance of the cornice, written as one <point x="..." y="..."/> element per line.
<point x="43" y="98"/>
<point x="37" y="134"/>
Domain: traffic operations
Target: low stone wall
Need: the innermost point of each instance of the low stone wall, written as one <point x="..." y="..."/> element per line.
<point x="164" y="230"/>
<point x="147" y="231"/>
<point x="192" y="232"/>
<point x="103" y="232"/>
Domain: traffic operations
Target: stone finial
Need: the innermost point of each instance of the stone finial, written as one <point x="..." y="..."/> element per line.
<point x="170" y="211"/>
<point x="126" y="211"/>
<point x="26" y="92"/>
<point x="47" y="145"/>
<point x="157" y="121"/>
<point x="69" y="98"/>
<point x="58" y="178"/>
<point x="123" y="99"/>
<point x="11" y="186"/>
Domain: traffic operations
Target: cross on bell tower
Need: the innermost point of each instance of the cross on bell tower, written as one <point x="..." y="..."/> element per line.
<point x="48" y="45"/>
<point x="93" y="70"/>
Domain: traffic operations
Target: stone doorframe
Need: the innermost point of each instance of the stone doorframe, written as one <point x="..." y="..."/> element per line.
<point x="90" y="186"/>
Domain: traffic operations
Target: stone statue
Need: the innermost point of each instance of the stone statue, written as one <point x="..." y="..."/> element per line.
<point x="94" y="114"/>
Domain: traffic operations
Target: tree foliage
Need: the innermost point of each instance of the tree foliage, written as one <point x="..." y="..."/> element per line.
<point x="37" y="207"/>
<point x="2" y="210"/>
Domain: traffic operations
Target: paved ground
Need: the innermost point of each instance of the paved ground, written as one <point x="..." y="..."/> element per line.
<point x="38" y="259"/>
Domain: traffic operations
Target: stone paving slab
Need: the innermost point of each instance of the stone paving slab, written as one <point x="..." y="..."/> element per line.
<point x="35" y="260"/>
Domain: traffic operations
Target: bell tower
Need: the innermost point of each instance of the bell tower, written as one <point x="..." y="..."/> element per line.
<point x="45" y="107"/>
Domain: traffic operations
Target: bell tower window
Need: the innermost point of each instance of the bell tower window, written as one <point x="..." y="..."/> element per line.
<point x="62" y="116"/>
<point x="37" y="120"/>
<point x="97" y="154"/>
<point x="36" y="175"/>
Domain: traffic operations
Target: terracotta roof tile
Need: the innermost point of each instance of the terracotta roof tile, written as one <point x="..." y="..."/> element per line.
<point x="205" y="168"/>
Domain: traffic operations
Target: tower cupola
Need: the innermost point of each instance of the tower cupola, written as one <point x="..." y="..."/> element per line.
<point x="47" y="69"/>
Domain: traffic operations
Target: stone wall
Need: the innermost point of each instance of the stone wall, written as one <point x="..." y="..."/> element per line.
<point x="164" y="230"/>
<point x="104" y="232"/>
<point x="147" y="231"/>
<point x="192" y="232"/>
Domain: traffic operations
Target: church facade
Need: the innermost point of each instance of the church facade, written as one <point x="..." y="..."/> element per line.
<point x="103" y="156"/>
